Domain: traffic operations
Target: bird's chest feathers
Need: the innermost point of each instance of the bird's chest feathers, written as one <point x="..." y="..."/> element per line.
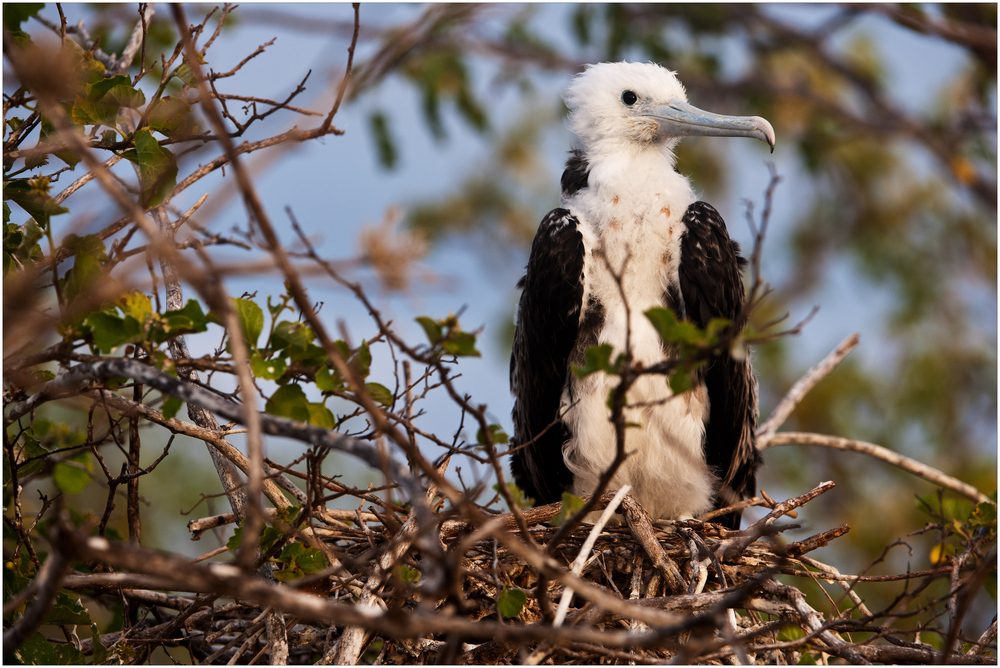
<point x="632" y="260"/>
<point x="631" y="217"/>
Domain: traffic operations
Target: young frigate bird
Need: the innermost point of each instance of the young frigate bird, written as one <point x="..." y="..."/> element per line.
<point x="626" y="211"/>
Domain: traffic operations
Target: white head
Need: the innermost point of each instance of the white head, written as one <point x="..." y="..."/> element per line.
<point x="636" y="106"/>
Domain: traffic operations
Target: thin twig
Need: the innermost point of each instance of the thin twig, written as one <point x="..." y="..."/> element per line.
<point x="806" y="383"/>
<point x="588" y="545"/>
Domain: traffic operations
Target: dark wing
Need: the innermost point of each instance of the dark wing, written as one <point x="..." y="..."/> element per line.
<point x="547" y="328"/>
<point x="711" y="287"/>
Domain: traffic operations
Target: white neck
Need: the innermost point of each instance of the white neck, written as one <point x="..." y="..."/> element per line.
<point x="630" y="184"/>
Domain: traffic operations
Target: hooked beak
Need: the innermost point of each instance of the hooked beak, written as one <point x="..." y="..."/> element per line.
<point x="680" y="119"/>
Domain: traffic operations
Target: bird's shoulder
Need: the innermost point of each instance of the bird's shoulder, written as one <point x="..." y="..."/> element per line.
<point x="710" y="267"/>
<point x="576" y="176"/>
<point x="705" y="230"/>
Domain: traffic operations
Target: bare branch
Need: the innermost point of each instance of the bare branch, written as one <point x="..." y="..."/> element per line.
<point x="806" y="383"/>
<point x="878" y="452"/>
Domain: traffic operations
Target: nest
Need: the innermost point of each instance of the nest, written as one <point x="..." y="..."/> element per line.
<point x="453" y="591"/>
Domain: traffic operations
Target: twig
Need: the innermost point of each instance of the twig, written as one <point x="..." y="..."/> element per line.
<point x="814" y="621"/>
<point x="732" y="547"/>
<point x="878" y="452"/>
<point x="588" y="545"/>
<point x="642" y="528"/>
<point x="806" y="383"/>
<point x="347" y="71"/>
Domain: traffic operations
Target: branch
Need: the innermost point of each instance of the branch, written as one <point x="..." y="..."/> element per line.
<point x="806" y="383"/>
<point x="348" y="71"/>
<point x="878" y="452"/>
<point x="588" y="545"/>
<point x="209" y="436"/>
<point x="70" y="382"/>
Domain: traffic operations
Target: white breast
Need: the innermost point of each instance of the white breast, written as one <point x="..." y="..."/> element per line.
<point x="631" y="229"/>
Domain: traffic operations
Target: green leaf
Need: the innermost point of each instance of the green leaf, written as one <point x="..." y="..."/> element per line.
<point x="680" y="380"/>
<point x="184" y="72"/>
<point x="791" y="633"/>
<point x="116" y="90"/>
<point x="268" y="537"/>
<point x="672" y="330"/>
<point x="136" y="304"/>
<point x="104" y="100"/>
<point x="16" y="13"/>
<point x="293" y="337"/>
<point x="92" y="112"/>
<point x="32" y="195"/>
<point x="715" y="329"/>
<point x="517" y="495"/>
<point x="385" y="146"/>
<point x="37" y="650"/>
<point x="511" y="602"/>
<point x="288" y="515"/>
<point x="20" y="243"/>
<point x="187" y="320"/>
<point x="171" y="116"/>
<point x="461" y="344"/>
<point x="67" y="610"/>
<point x="34" y="162"/>
<point x="311" y="355"/>
<point x="110" y="331"/>
<point x="308" y="559"/>
<point x="984" y="515"/>
<point x="100" y="651"/>
<point x="328" y="380"/>
<point x="69" y="479"/>
<point x="596" y="358"/>
<point x="407" y="575"/>
<point x="321" y="416"/>
<point x="448" y="334"/>
<point x="89" y="254"/>
<point x="34" y="452"/>
<point x="380" y="393"/>
<point x="60" y="435"/>
<point x="49" y="134"/>
<point x="363" y="359"/>
<point x="570" y="505"/>
<point x="289" y="401"/>
<point x="18" y="574"/>
<point x="276" y="308"/>
<point x="251" y="319"/>
<point x="271" y="369"/>
<point x="171" y="407"/>
<point x="299" y="560"/>
<point x="157" y="168"/>
<point x="432" y="328"/>
<point x="497" y="435"/>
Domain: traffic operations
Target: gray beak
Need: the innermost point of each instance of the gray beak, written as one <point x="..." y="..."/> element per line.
<point x="680" y="119"/>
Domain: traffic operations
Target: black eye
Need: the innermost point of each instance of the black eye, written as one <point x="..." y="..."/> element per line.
<point x="629" y="98"/>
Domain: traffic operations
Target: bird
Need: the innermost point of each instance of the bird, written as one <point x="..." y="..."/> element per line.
<point x="630" y="234"/>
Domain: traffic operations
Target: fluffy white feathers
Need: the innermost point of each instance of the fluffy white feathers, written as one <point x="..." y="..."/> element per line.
<point x="606" y="126"/>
